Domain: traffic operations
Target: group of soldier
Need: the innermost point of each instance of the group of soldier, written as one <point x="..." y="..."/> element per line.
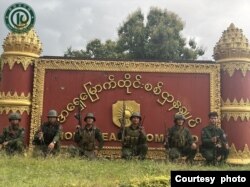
<point x="89" y="141"/>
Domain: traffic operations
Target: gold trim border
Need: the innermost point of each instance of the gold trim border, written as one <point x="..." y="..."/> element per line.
<point x="14" y="102"/>
<point x="236" y="109"/>
<point x="231" y="65"/>
<point x="14" y="59"/>
<point x="239" y="157"/>
<point x="41" y="65"/>
<point x="235" y="157"/>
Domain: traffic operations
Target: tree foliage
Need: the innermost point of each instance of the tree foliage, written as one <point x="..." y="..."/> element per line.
<point x="159" y="37"/>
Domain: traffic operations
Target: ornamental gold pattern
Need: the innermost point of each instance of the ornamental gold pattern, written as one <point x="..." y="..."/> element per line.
<point x="235" y="157"/>
<point x="232" y="44"/>
<point x="12" y="60"/>
<point x="236" y="109"/>
<point x="115" y="152"/>
<point x="231" y="65"/>
<point x="125" y="108"/>
<point x="25" y="44"/>
<point x="14" y="102"/>
<point x="41" y="65"/>
<point x="239" y="157"/>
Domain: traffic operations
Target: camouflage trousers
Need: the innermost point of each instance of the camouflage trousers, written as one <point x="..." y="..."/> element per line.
<point x="139" y="150"/>
<point x="176" y="153"/>
<point x="214" y="155"/>
<point x="77" y="151"/>
<point x="16" y="147"/>
<point x="43" y="151"/>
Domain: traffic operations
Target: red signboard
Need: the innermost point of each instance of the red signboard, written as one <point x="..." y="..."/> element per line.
<point x="157" y="90"/>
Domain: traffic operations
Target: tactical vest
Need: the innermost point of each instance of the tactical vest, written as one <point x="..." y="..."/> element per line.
<point x="131" y="137"/>
<point x="178" y="138"/>
<point x="12" y="133"/>
<point x="88" y="139"/>
<point x="49" y="132"/>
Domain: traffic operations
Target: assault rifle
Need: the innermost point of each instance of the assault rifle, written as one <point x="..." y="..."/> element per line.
<point x="123" y="120"/>
<point x="142" y="122"/>
<point x="78" y="115"/>
<point x="165" y="143"/>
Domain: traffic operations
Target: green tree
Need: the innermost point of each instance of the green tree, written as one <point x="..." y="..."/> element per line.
<point x="132" y="37"/>
<point x="159" y="38"/>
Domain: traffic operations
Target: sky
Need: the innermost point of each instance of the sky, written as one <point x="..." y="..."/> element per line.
<point x="73" y="23"/>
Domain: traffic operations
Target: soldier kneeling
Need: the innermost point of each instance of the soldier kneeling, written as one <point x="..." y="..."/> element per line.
<point x="214" y="147"/>
<point x="47" y="138"/>
<point x="86" y="138"/>
<point x="12" y="139"/>
<point x="179" y="141"/>
<point x="134" y="139"/>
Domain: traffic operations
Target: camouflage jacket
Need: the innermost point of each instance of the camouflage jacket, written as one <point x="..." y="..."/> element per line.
<point x="86" y="138"/>
<point x="179" y="137"/>
<point x="12" y="135"/>
<point x="212" y="131"/>
<point x="51" y="133"/>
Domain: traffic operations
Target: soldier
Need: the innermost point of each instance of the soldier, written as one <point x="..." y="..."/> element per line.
<point x="179" y="141"/>
<point x="86" y="138"/>
<point x="214" y="146"/>
<point x="47" y="138"/>
<point x="134" y="139"/>
<point x="12" y="139"/>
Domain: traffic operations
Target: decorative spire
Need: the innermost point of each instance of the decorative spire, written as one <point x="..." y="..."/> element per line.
<point x="232" y="44"/>
<point x="25" y="44"/>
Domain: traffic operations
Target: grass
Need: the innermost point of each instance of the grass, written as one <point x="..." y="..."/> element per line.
<point x="20" y="171"/>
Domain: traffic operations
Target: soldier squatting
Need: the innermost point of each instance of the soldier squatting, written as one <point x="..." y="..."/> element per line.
<point x="89" y="140"/>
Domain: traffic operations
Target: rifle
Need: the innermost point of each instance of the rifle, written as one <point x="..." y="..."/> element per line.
<point x="142" y="121"/>
<point x="123" y="120"/>
<point x="78" y="115"/>
<point x="166" y="136"/>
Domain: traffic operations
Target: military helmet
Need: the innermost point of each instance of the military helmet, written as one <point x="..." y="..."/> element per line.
<point x="89" y="115"/>
<point x="52" y="113"/>
<point x="14" y="116"/>
<point x="135" y="114"/>
<point x="212" y="114"/>
<point x="178" y="117"/>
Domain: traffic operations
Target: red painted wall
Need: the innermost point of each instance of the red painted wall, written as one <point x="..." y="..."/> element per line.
<point x="191" y="89"/>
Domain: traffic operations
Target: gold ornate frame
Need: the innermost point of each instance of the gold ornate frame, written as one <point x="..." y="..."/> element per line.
<point x="41" y="65"/>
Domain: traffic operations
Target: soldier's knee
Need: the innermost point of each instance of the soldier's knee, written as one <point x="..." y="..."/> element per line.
<point x="209" y="156"/>
<point x="174" y="153"/>
<point x="143" y="148"/>
<point x="126" y="153"/>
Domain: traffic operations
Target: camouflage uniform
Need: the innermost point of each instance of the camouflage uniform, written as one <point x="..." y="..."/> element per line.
<point x="51" y="134"/>
<point x="212" y="150"/>
<point x="86" y="139"/>
<point x="14" y="135"/>
<point x="134" y="142"/>
<point x="179" y="141"/>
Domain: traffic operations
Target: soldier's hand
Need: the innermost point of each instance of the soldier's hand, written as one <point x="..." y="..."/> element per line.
<point x="165" y="144"/>
<point x="5" y="143"/>
<point x="218" y="145"/>
<point x="96" y="152"/>
<point x="214" y="139"/>
<point x="193" y="146"/>
<point x="51" y="146"/>
<point x="40" y="135"/>
<point x="226" y="146"/>
<point x="142" y="130"/>
<point x="78" y="127"/>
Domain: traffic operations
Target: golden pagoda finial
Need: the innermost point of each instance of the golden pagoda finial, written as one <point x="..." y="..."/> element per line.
<point x="21" y="49"/>
<point x="25" y="44"/>
<point x="232" y="44"/>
